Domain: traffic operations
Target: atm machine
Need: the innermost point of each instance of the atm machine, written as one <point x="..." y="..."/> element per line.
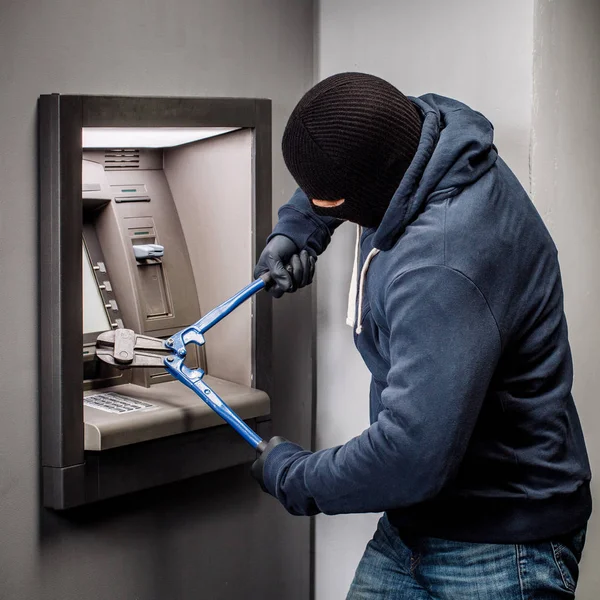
<point x="152" y="212"/>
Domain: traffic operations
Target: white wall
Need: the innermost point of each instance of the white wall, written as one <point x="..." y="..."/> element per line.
<point x="182" y="541"/>
<point x="478" y="51"/>
<point x="566" y="190"/>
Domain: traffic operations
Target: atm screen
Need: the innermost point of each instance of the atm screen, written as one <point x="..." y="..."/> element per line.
<point x="95" y="318"/>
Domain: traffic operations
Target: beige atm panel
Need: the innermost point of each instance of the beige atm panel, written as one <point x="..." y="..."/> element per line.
<point x="167" y="237"/>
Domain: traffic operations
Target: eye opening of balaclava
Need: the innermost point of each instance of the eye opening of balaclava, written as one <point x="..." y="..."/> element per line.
<point x="352" y="137"/>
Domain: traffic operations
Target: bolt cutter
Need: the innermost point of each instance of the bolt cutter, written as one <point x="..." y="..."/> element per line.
<point x="124" y="349"/>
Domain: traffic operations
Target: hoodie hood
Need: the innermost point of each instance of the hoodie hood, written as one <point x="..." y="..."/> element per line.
<point x="456" y="148"/>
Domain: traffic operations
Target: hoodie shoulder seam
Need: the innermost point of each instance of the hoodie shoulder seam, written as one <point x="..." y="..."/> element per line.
<point x="461" y="274"/>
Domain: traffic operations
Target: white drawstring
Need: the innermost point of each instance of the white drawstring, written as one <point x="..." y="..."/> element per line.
<point x="351" y="313"/>
<point x="363" y="275"/>
<point x="351" y="316"/>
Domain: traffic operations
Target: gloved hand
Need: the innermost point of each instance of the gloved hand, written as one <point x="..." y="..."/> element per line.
<point x="270" y="469"/>
<point x="289" y="269"/>
<point x="259" y="463"/>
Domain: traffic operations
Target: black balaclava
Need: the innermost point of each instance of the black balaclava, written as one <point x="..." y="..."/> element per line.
<point x="352" y="136"/>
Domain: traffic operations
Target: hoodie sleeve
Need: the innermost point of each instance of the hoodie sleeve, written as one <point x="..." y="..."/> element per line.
<point x="299" y="222"/>
<point x="444" y="345"/>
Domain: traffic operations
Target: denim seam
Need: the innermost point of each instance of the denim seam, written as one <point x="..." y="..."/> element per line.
<point x="520" y="568"/>
<point x="556" y="552"/>
<point x="391" y="541"/>
<point x="415" y="560"/>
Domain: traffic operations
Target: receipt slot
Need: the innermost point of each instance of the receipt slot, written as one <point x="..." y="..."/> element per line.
<point x="152" y="212"/>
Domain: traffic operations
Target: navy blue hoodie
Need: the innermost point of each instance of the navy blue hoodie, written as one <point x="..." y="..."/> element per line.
<point x="474" y="435"/>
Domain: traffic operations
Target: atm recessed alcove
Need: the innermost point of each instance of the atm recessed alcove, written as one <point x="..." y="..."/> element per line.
<point x="152" y="212"/>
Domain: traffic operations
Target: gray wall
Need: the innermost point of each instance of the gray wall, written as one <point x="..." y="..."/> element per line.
<point x="566" y="190"/>
<point x="478" y="51"/>
<point x="199" y="539"/>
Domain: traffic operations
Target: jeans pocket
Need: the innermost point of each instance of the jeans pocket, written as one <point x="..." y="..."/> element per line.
<point x="567" y="564"/>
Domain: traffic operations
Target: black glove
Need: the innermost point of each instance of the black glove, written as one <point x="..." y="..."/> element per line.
<point x="258" y="464"/>
<point x="289" y="269"/>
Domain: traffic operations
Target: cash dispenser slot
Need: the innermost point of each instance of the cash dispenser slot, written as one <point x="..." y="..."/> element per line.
<point x="153" y="286"/>
<point x="149" y="219"/>
<point x="153" y="289"/>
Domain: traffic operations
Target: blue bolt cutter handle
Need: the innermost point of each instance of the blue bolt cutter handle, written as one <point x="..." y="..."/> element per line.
<point x="195" y="333"/>
<point x="193" y="378"/>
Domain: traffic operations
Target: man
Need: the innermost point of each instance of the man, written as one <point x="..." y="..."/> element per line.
<point x="475" y="452"/>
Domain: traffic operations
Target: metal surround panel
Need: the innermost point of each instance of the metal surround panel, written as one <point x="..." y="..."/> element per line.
<point x="68" y="472"/>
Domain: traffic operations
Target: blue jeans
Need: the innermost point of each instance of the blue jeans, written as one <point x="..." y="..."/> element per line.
<point x="424" y="568"/>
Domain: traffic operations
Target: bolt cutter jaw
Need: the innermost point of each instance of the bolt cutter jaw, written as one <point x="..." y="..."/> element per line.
<point x="124" y="349"/>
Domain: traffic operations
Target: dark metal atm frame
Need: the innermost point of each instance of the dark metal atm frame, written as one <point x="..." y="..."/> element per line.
<point x="70" y="476"/>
